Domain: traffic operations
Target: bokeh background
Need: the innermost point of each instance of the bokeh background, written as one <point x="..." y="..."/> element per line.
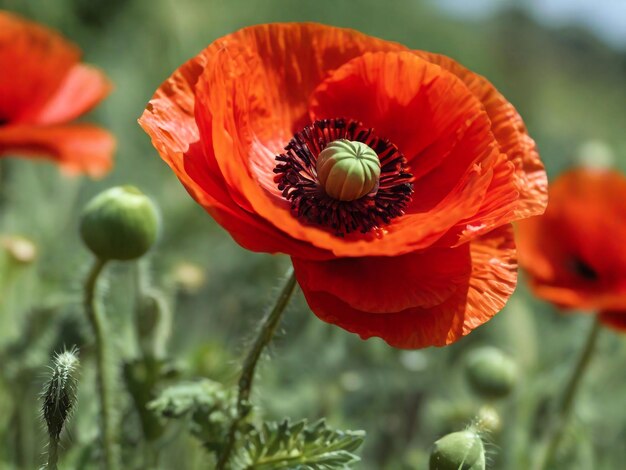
<point x="561" y="63"/>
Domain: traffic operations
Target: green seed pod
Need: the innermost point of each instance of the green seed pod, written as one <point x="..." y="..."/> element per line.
<point x="59" y="394"/>
<point x="120" y="223"/>
<point x="461" y="450"/>
<point x="348" y="170"/>
<point x="491" y="373"/>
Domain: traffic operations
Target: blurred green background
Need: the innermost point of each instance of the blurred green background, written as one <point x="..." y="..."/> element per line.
<point x="568" y="83"/>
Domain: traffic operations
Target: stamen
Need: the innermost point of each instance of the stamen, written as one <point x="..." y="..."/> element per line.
<point x="297" y="178"/>
<point x="582" y="269"/>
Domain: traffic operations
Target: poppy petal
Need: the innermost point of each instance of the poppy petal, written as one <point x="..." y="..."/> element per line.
<point x="439" y="125"/>
<point x="574" y="252"/>
<point x="82" y="89"/>
<point x="37" y="60"/>
<point x="388" y="284"/>
<point x="169" y="121"/>
<point x="614" y="319"/>
<point x="246" y="228"/>
<point x="492" y="281"/>
<point x="79" y="148"/>
<point x="229" y="106"/>
<point x="511" y="134"/>
<point x="408" y="100"/>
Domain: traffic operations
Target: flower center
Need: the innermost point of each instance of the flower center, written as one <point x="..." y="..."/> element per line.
<point x="347" y="170"/>
<point x="582" y="269"/>
<point x="340" y="175"/>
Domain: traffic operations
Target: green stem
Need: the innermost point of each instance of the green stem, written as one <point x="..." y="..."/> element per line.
<point x="569" y="397"/>
<point x="263" y="338"/>
<point x="104" y="383"/>
<point x="53" y="455"/>
<point x="20" y="434"/>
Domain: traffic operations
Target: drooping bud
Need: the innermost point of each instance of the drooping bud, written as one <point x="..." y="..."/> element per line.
<point x="461" y="450"/>
<point x="348" y="170"/>
<point x="153" y="323"/>
<point x="59" y="394"/>
<point x="491" y="373"/>
<point x="120" y="223"/>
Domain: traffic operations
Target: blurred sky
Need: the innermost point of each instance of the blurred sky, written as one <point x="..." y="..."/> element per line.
<point x="607" y="18"/>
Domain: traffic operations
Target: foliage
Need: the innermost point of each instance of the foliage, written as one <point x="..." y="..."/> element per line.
<point x="288" y="445"/>
<point x="206" y="407"/>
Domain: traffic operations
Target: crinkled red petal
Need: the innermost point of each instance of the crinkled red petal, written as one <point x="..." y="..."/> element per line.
<point x="492" y="279"/>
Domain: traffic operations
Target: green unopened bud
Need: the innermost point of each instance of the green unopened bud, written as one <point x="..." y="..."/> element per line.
<point x="120" y="223"/>
<point x="348" y="170"/>
<point x="461" y="450"/>
<point x="491" y="373"/>
<point x="59" y="395"/>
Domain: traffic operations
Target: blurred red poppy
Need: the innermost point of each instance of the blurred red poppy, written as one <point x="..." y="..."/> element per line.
<point x="42" y="88"/>
<point x="422" y="251"/>
<point x="575" y="254"/>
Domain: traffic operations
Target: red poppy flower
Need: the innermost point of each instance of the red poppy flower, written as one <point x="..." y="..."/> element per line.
<point x="575" y="254"/>
<point x="615" y="319"/>
<point x="272" y="130"/>
<point x="42" y="88"/>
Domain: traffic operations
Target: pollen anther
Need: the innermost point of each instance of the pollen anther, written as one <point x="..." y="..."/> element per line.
<point x="339" y="174"/>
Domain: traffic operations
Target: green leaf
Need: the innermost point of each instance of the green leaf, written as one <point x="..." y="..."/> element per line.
<point x="207" y="407"/>
<point x="297" y="446"/>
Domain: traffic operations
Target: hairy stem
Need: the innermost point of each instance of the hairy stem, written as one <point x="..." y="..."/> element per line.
<point x="564" y="410"/>
<point x="263" y="338"/>
<point x="104" y="383"/>
<point x="53" y="453"/>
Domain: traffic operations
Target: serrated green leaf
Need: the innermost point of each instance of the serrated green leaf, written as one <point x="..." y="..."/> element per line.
<point x="282" y="446"/>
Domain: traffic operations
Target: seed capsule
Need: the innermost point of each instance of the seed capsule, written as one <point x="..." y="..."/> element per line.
<point x="120" y="223"/>
<point x="491" y="373"/>
<point x="348" y="170"/>
<point x="461" y="450"/>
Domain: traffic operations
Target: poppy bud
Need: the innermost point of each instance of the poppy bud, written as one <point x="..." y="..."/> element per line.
<point x="120" y="223"/>
<point x="348" y="170"/>
<point x="59" y="395"/>
<point x="488" y="420"/>
<point x="491" y="373"/>
<point x="153" y="323"/>
<point x="461" y="450"/>
<point x="21" y="250"/>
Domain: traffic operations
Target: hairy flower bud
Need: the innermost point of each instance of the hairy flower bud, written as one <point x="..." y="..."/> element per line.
<point x="348" y="170"/>
<point x="120" y="223"/>
<point x="491" y="373"/>
<point x="487" y="420"/>
<point x="461" y="450"/>
<point x="59" y="394"/>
